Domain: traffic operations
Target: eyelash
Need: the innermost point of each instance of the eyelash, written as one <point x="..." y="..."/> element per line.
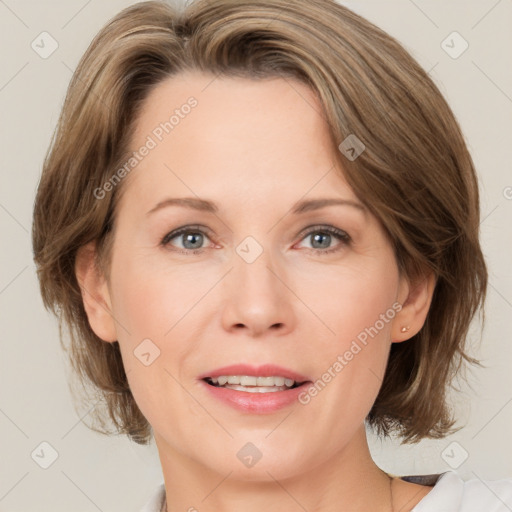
<point x="342" y="236"/>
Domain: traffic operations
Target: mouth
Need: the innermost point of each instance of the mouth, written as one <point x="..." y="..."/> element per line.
<point x="251" y="389"/>
<point x="253" y="384"/>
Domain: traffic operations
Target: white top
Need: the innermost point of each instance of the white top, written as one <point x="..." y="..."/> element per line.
<point x="450" y="494"/>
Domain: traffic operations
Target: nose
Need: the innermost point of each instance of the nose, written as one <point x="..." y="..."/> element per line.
<point x="257" y="298"/>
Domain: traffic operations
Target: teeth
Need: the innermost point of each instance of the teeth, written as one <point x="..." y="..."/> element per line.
<point x="256" y="389"/>
<point x="250" y="380"/>
<point x="246" y="380"/>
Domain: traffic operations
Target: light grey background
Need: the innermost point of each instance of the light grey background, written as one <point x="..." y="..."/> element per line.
<point x="93" y="472"/>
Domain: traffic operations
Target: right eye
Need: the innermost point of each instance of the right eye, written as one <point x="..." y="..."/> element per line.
<point x="192" y="239"/>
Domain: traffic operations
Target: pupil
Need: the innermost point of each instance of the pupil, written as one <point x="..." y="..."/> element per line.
<point x="326" y="238"/>
<point x="192" y="237"/>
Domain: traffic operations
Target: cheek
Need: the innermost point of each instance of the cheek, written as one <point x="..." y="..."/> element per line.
<point x="160" y="312"/>
<point x="155" y="309"/>
<point x="350" y="361"/>
<point x="357" y="306"/>
<point x="352" y="299"/>
<point x="150" y="299"/>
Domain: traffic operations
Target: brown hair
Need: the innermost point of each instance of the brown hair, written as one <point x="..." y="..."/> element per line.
<point x="415" y="175"/>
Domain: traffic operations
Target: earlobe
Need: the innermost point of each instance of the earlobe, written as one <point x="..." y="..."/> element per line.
<point x="95" y="293"/>
<point x="415" y="307"/>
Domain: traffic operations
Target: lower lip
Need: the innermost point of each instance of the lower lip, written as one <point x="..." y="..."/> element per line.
<point x="258" y="403"/>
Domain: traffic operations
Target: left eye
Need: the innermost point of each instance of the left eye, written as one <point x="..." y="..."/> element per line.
<point x="322" y="237"/>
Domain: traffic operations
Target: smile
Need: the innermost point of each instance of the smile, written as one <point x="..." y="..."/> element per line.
<point x="253" y="384"/>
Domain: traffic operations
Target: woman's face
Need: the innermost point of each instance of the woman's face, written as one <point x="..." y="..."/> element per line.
<point x="258" y="275"/>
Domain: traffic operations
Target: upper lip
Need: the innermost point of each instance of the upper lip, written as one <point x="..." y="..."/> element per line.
<point x="266" y="370"/>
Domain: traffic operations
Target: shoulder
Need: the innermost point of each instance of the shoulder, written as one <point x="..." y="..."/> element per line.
<point x="451" y="493"/>
<point x="156" y="500"/>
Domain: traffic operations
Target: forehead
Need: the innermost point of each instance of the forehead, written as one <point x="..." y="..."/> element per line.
<point x="215" y="132"/>
<point x="240" y="107"/>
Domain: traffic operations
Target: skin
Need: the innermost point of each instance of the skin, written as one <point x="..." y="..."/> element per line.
<point x="254" y="148"/>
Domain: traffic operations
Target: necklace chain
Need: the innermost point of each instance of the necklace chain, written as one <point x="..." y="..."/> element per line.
<point x="390" y="493"/>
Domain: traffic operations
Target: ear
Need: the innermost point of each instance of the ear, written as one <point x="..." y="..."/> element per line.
<point x="95" y="293"/>
<point x="415" y="298"/>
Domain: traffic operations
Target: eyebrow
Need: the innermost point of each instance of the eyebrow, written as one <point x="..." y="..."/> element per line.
<point x="298" y="208"/>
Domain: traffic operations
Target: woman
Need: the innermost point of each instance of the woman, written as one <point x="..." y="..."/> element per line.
<point x="260" y="221"/>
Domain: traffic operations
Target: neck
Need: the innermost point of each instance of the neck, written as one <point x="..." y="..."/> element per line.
<point x="346" y="480"/>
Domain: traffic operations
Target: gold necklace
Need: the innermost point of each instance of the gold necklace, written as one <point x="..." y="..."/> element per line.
<point x="164" y="507"/>
<point x="390" y="492"/>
